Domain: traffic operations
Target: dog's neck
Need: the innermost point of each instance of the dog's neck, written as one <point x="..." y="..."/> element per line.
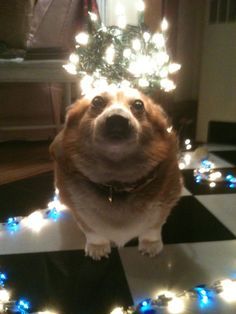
<point x="114" y="188"/>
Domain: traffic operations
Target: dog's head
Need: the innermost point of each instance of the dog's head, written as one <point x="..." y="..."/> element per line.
<point x="117" y="126"/>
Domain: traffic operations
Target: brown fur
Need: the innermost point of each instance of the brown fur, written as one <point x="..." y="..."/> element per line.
<point x="85" y="163"/>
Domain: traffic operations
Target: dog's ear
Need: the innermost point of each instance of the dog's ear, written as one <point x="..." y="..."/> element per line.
<point x="56" y="148"/>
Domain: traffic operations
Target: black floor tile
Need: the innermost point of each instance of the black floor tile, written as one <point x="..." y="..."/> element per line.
<point x="68" y="282"/>
<point x="22" y="197"/>
<point x="203" y="187"/>
<point x="229" y="156"/>
<point x="190" y="221"/>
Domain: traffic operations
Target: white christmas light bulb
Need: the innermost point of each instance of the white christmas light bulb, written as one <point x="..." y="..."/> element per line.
<point x="70" y="68"/>
<point x="74" y="58"/>
<point x="86" y="84"/>
<point x="146" y="36"/>
<point x="136" y="44"/>
<point x="159" y="40"/>
<point x="140" y="6"/>
<point x="143" y="82"/>
<point x="4" y="296"/>
<point x="35" y="221"/>
<point x="187" y="141"/>
<point x="161" y="58"/>
<point x="164" y="25"/>
<point x="174" y="67"/>
<point x="110" y="54"/>
<point x="229" y="290"/>
<point x="117" y="310"/>
<point x="167" y="85"/>
<point x="212" y="184"/>
<point x="127" y="53"/>
<point x="93" y="16"/>
<point x="176" y="306"/>
<point x="82" y="38"/>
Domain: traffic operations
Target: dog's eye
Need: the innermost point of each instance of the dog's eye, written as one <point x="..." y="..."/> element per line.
<point x="138" y="105"/>
<point x="98" y="102"/>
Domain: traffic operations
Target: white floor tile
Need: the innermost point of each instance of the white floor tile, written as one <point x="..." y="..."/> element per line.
<point x="220" y="147"/>
<point x="223" y="207"/>
<point x="180" y="267"/>
<point x="55" y="236"/>
<point x="185" y="192"/>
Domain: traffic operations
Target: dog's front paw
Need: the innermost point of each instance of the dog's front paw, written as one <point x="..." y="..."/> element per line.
<point x="150" y="248"/>
<point x="97" y="251"/>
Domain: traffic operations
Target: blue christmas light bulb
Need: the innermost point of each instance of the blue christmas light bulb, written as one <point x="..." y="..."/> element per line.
<point x="53" y="214"/>
<point x="23" y="306"/>
<point x="12" y="224"/>
<point x="203" y="295"/>
<point x="146" y="307"/>
<point x="3" y="279"/>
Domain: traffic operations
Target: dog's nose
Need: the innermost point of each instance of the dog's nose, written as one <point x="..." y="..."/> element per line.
<point x="117" y="126"/>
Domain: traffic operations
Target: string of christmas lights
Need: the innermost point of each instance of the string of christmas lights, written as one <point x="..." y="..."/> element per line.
<point x="124" y="55"/>
<point x="175" y="304"/>
<point x="37" y="219"/>
<point x="7" y="305"/>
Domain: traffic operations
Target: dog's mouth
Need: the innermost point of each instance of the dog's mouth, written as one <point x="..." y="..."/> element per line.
<point x="117" y="128"/>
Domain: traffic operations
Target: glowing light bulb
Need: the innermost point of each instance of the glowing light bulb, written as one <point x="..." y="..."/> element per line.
<point x="110" y="54"/>
<point x="215" y="176"/>
<point x="187" y="141"/>
<point x="164" y="25"/>
<point x="93" y="16"/>
<point x="82" y="38"/>
<point x="136" y="44"/>
<point x="169" y="129"/>
<point x="159" y="40"/>
<point x="212" y="184"/>
<point x="74" y="58"/>
<point x="176" y="306"/>
<point x="188" y="147"/>
<point x="229" y="290"/>
<point x="117" y="310"/>
<point x="127" y="53"/>
<point x="4" y="296"/>
<point x="140" y="6"/>
<point x="86" y="84"/>
<point x="167" y="85"/>
<point x="125" y="84"/>
<point x="182" y="165"/>
<point x="174" y="67"/>
<point x="143" y="82"/>
<point x="161" y="58"/>
<point x="35" y="221"/>
<point x="146" y="36"/>
<point x="163" y="73"/>
<point x="70" y="68"/>
<point x="187" y="159"/>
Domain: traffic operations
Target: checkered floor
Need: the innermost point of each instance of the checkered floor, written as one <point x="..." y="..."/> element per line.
<point x="50" y="268"/>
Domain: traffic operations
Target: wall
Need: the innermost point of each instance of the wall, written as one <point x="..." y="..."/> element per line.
<point x="189" y="45"/>
<point x="217" y="94"/>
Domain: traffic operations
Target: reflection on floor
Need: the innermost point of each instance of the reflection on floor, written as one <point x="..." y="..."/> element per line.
<point x="50" y="269"/>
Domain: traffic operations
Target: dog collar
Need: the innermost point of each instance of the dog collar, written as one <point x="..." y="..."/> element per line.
<point x="119" y="188"/>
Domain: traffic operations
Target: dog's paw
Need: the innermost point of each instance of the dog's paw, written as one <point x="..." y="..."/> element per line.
<point x="97" y="251"/>
<point x="150" y="248"/>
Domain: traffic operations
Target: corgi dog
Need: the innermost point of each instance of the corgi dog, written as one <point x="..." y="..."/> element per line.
<point x="116" y="168"/>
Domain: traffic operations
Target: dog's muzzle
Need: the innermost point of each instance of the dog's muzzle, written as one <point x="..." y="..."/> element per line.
<point x="117" y="127"/>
